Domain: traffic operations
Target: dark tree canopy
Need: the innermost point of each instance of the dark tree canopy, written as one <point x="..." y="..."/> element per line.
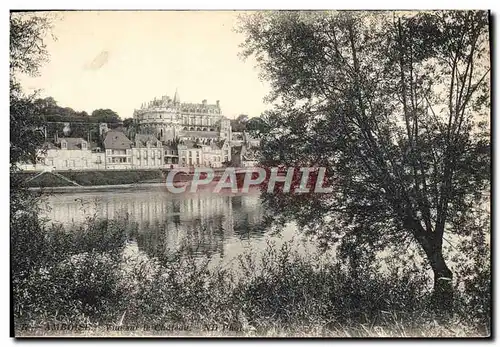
<point x="394" y="105"/>
<point x="239" y="124"/>
<point x="52" y="112"/>
<point x="105" y="116"/>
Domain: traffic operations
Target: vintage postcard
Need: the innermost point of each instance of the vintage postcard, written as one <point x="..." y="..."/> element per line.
<point x="250" y="173"/>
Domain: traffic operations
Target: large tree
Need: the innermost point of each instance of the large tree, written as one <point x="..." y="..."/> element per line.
<point x="391" y="104"/>
<point x="27" y="53"/>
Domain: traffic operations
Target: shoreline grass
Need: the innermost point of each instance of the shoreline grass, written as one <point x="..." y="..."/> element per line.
<point x="85" y="279"/>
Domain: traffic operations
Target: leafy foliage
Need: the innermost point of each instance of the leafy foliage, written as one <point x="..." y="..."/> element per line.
<point x="393" y="105"/>
<point x="282" y="292"/>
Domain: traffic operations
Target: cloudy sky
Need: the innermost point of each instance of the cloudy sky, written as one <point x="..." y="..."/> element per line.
<point x="119" y="60"/>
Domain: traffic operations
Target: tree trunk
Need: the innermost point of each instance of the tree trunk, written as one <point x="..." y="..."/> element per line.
<point x="443" y="284"/>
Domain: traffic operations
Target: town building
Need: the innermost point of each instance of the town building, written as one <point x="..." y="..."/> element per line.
<point x="242" y="156"/>
<point x="68" y="153"/>
<point x="170" y="155"/>
<point x="121" y="153"/>
<point x="198" y="154"/>
<point x="118" y="150"/>
<point x="147" y="152"/>
<point x="244" y="150"/>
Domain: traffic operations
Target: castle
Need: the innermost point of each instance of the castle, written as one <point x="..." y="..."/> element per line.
<point x="170" y="120"/>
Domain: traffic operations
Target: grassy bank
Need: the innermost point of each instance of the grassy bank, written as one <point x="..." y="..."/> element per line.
<point x="91" y="178"/>
<point x="84" y="278"/>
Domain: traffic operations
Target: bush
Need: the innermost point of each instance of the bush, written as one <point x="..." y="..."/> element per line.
<point x="86" y="275"/>
<point x="61" y="274"/>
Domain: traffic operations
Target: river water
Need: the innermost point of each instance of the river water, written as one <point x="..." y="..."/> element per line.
<point x="221" y="226"/>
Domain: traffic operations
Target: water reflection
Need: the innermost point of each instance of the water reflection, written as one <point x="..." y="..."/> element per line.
<point x="205" y="222"/>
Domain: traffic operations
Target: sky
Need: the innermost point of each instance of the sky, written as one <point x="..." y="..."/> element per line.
<point x="118" y="60"/>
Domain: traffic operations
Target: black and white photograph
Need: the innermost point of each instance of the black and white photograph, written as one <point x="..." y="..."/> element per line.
<point x="250" y="174"/>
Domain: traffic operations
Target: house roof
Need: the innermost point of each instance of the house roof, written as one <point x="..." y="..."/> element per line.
<point x="72" y="142"/>
<point x="170" y="147"/>
<point x="193" y="133"/>
<point x="189" y="145"/>
<point x="142" y="139"/>
<point x="49" y="145"/>
<point x="93" y="144"/>
<point x="189" y="105"/>
<point x="116" y="140"/>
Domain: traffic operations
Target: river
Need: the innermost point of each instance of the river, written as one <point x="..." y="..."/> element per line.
<point x="221" y="226"/>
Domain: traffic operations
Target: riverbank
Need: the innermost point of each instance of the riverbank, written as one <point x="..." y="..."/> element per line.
<point x="85" y="277"/>
<point x="103" y="179"/>
<point x="92" y="291"/>
<point x="61" y="181"/>
<point x="109" y="187"/>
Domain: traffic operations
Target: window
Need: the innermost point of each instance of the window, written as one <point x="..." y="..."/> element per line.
<point x="84" y="162"/>
<point x="84" y="145"/>
<point x="66" y="163"/>
<point x="64" y="145"/>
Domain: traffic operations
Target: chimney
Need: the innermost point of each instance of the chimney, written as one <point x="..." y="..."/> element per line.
<point x="217" y="103"/>
<point x="204" y="102"/>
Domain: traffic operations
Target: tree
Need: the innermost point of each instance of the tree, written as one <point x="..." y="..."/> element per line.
<point x="27" y="53"/>
<point x="105" y="116"/>
<point x="254" y="125"/>
<point x="390" y="104"/>
<point x="242" y="118"/>
<point x="127" y="122"/>
<point x="239" y="124"/>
